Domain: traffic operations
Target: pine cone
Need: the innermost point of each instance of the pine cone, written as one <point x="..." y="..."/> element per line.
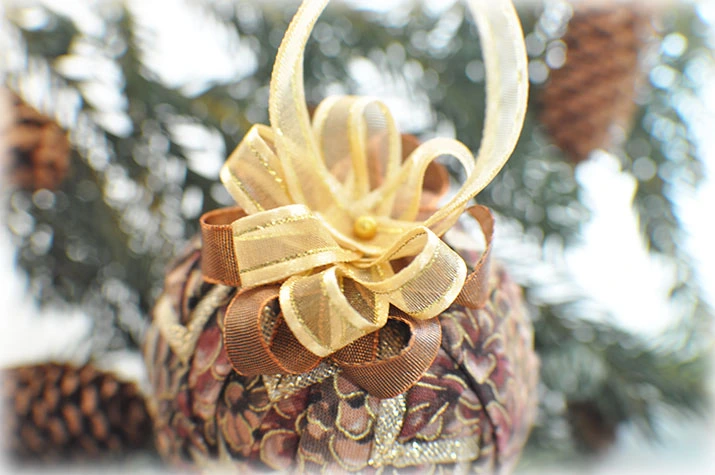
<point x="55" y="411"/>
<point x="34" y="150"/>
<point x="594" y="90"/>
<point x="471" y="411"/>
<point x="592" y="430"/>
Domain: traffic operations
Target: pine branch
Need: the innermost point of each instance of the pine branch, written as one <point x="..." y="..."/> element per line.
<point x="620" y="377"/>
<point x="120" y="219"/>
<point x="48" y="36"/>
<point x="660" y="151"/>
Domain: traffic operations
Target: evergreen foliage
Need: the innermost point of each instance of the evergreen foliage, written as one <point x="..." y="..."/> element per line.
<point x="137" y="184"/>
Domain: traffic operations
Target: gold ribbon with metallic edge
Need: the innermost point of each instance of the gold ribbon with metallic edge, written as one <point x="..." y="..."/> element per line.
<point x="334" y="214"/>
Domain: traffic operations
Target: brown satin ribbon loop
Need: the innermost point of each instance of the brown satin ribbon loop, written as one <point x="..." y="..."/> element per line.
<point x="254" y="344"/>
<point x="218" y="259"/>
<point x="475" y="291"/>
<point x="389" y="377"/>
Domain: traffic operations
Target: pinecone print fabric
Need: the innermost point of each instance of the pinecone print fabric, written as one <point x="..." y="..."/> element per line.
<point x="57" y="411"/>
<point x="595" y="89"/>
<point x="471" y="410"/>
<point x="34" y="150"/>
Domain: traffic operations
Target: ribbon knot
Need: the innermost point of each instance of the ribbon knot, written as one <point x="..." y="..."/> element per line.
<point x="336" y="217"/>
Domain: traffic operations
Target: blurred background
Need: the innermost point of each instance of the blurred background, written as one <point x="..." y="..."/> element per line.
<point x="117" y="116"/>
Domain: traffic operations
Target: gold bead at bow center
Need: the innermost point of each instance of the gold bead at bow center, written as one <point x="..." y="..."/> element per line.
<point x="365" y="227"/>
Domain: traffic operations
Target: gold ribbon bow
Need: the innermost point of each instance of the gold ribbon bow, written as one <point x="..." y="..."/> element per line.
<point x="332" y="212"/>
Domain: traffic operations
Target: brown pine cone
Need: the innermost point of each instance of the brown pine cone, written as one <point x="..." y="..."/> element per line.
<point x="594" y="90"/>
<point x="58" y="411"/>
<point x="34" y="150"/>
<point x="592" y="430"/>
<point x="471" y="411"/>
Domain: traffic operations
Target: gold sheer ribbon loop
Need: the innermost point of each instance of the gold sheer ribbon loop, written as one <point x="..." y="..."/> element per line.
<point x="327" y="311"/>
<point x="359" y="142"/>
<point x="253" y="174"/>
<point x="336" y="218"/>
<point x="426" y="286"/>
<point x="330" y="309"/>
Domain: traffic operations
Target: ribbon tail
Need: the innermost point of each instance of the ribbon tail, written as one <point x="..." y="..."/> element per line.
<point x="475" y="291"/>
<point x="387" y="377"/>
<point x="258" y="341"/>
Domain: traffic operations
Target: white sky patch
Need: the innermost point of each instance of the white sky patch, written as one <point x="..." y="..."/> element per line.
<point x="377" y="5"/>
<point x="612" y="264"/>
<point x="27" y="332"/>
<point x="182" y="53"/>
<point x="205" y="149"/>
<point x="696" y="209"/>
